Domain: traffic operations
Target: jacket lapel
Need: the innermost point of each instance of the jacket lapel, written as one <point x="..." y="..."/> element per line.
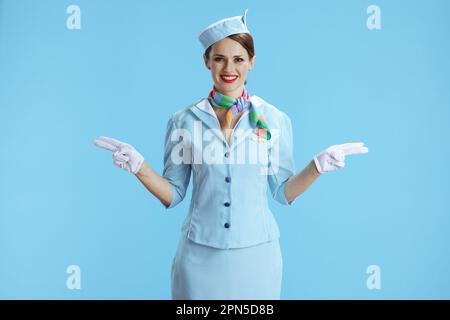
<point x="204" y="112"/>
<point x="244" y="127"/>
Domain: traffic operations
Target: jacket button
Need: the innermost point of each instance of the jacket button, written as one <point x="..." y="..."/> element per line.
<point x="228" y="179"/>
<point x="226" y="204"/>
<point x="226" y="225"/>
<point x="227" y="154"/>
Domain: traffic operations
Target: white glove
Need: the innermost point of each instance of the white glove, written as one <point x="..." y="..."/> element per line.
<point x="124" y="155"/>
<point x="333" y="157"/>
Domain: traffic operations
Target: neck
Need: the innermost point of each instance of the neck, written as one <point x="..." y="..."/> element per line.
<point x="234" y="93"/>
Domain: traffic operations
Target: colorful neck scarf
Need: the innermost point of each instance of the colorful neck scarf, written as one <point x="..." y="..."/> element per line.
<point x="234" y="106"/>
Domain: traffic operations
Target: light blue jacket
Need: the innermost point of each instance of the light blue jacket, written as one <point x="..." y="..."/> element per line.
<point x="229" y="207"/>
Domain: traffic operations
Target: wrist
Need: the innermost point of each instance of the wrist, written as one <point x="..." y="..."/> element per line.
<point x="141" y="169"/>
<point x="313" y="169"/>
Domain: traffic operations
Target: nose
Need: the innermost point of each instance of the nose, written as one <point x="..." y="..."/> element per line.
<point x="228" y="67"/>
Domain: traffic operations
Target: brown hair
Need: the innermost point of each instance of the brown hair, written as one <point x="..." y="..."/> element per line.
<point x="244" y="39"/>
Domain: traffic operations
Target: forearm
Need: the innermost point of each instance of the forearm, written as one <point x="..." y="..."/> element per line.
<point x="297" y="184"/>
<point x="156" y="184"/>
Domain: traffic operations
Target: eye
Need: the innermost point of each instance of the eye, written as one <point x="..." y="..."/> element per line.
<point x="217" y="59"/>
<point x="239" y="60"/>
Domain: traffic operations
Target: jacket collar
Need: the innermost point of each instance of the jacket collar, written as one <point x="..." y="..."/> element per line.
<point x="205" y="112"/>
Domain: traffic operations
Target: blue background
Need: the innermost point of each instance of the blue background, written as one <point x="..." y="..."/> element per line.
<point x="134" y="63"/>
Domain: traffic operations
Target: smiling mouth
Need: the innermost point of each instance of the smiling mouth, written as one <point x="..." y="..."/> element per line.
<point x="228" y="79"/>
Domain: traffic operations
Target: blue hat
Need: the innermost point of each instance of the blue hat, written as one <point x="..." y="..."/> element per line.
<point x="222" y="29"/>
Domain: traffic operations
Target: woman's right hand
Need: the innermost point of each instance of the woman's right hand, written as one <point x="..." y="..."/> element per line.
<point x="124" y="155"/>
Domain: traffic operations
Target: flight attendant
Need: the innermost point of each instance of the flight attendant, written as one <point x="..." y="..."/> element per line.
<point x="236" y="146"/>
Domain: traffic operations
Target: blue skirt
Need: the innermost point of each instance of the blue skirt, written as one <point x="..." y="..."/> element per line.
<point x="200" y="272"/>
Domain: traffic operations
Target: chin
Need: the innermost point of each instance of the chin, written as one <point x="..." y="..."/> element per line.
<point x="227" y="86"/>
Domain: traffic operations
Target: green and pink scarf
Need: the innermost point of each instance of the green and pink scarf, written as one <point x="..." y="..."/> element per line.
<point x="234" y="106"/>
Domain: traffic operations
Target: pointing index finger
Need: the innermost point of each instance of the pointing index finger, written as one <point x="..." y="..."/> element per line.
<point x="111" y="141"/>
<point x="104" y="145"/>
<point x="353" y="148"/>
<point x="107" y="143"/>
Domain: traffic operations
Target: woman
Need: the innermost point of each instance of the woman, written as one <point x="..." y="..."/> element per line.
<point x="236" y="146"/>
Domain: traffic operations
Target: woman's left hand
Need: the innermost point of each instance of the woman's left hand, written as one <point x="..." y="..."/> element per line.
<point x="333" y="157"/>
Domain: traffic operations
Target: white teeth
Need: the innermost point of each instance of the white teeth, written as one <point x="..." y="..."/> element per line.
<point x="229" y="78"/>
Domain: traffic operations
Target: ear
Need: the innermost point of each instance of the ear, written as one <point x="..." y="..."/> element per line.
<point x="206" y="62"/>
<point x="252" y="62"/>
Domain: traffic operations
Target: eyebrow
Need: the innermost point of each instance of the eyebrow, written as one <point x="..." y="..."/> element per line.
<point x="220" y="55"/>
